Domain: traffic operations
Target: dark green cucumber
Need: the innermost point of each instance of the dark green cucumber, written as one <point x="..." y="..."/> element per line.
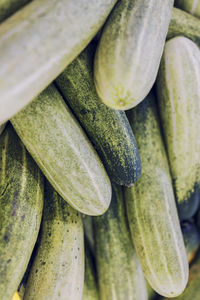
<point x="184" y="24"/>
<point x="88" y="231"/>
<point x="8" y="7"/>
<point x="119" y="272"/>
<point x="21" y="203"/>
<point x="151" y="208"/>
<point x="191" y="6"/>
<point x="191" y="238"/>
<point x="108" y="129"/>
<point x="57" y="142"/>
<point x="57" y="271"/>
<point x="2" y="128"/>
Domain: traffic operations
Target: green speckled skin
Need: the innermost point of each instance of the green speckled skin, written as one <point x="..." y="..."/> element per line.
<point x="21" y="204"/>
<point x="108" y="129"/>
<point x="58" y="268"/>
<point x="119" y="272"/>
<point x="191" y="6"/>
<point x="178" y="91"/>
<point x="151" y="208"/>
<point x="8" y="7"/>
<point x="56" y="141"/>
<point x="191" y="239"/>
<point x="129" y="51"/>
<point x="184" y="24"/>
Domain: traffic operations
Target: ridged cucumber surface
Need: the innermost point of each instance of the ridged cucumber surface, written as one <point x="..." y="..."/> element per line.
<point x="56" y="141"/>
<point x="108" y="129"/>
<point x="184" y="24"/>
<point x="8" y="7"/>
<point x="178" y="91"/>
<point x="21" y="204"/>
<point x="58" y="268"/>
<point x="47" y="35"/>
<point x="191" y="238"/>
<point x="129" y="51"/>
<point x="191" y="6"/>
<point x="119" y="272"/>
<point x="151" y="208"/>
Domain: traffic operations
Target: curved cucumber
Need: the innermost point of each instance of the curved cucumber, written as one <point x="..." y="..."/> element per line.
<point x="8" y="7"/>
<point x="178" y="90"/>
<point x="151" y="208"/>
<point x="191" y="239"/>
<point x="58" y="144"/>
<point x="129" y="51"/>
<point x="58" y="268"/>
<point x="191" y="6"/>
<point x="108" y="129"/>
<point x="47" y="35"/>
<point x="119" y="272"/>
<point x="21" y="203"/>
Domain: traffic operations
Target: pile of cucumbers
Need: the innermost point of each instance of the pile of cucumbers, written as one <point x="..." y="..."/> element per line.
<point x="99" y="149"/>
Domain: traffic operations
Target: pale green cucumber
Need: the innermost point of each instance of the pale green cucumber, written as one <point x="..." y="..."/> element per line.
<point x="21" y="203"/>
<point x="151" y="208"/>
<point x="8" y="7"/>
<point x="56" y="141"/>
<point x="191" y="6"/>
<point x="108" y="129"/>
<point x="58" y="267"/>
<point x="119" y="272"/>
<point x="39" y="41"/>
<point x="184" y="24"/>
<point x="178" y="90"/>
<point x="129" y="51"/>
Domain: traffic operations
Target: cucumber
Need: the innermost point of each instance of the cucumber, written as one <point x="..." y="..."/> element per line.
<point x="108" y="129"/>
<point x="2" y="128"/>
<point x="58" y="268"/>
<point x="21" y="204"/>
<point x="16" y="296"/>
<point x="88" y="231"/>
<point x="8" y="7"/>
<point x="179" y="108"/>
<point x="184" y="24"/>
<point x="56" y="141"/>
<point x="191" y="6"/>
<point x="151" y="208"/>
<point x="119" y="273"/>
<point x="47" y="35"/>
<point x="191" y="238"/>
<point x="129" y="51"/>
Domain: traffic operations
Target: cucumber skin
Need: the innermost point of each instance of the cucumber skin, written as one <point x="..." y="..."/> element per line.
<point x="119" y="272"/>
<point x="151" y="208"/>
<point x="45" y="35"/>
<point x="21" y="204"/>
<point x="184" y="24"/>
<point x="63" y="152"/>
<point x="179" y="109"/>
<point x="191" y="6"/>
<point x="129" y="51"/>
<point x="8" y="7"/>
<point x="108" y="129"/>
<point x="58" y="267"/>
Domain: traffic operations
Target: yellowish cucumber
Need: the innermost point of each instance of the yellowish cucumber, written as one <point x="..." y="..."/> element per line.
<point x="58" y="267"/>
<point x="21" y="204"/>
<point x="191" y="6"/>
<point x="58" y="144"/>
<point x="129" y="51"/>
<point x="39" y="41"/>
<point x="119" y="272"/>
<point x="8" y="7"/>
<point x="178" y="90"/>
<point x="151" y="208"/>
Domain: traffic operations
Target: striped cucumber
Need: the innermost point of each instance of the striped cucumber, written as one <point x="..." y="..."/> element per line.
<point x="8" y="7"/>
<point x="119" y="272"/>
<point x="178" y="90"/>
<point x="108" y="129"/>
<point x="58" y="267"/>
<point x="151" y="208"/>
<point x="191" y="6"/>
<point x="56" y="141"/>
<point x="47" y="35"/>
<point x="184" y="24"/>
<point x="21" y="203"/>
<point x="129" y="51"/>
<point x="191" y="238"/>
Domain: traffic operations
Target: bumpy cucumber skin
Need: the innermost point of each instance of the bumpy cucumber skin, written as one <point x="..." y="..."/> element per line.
<point x="129" y="51"/>
<point x="108" y="129"/>
<point x="119" y="272"/>
<point x="8" y="7"/>
<point x="178" y="91"/>
<point x="58" y="144"/>
<point x="58" y="268"/>
<point x="184" y="24"/>
<point x="191" y="6"/>
<point x="151" y="208"/>
<point x="21" y="204"/>
<point x="47" y="35"/>
<point x="191" y="239"/>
